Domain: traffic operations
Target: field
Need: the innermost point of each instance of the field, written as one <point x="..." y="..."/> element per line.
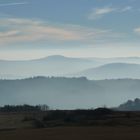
<point x="100" y="124"/>
<point x="73" y="133"/>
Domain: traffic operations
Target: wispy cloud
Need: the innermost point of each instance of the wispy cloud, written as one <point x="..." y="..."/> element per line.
<point x="137" y="30"/>
<point x="13" y="4"/>
<point x="16" y="30"/>
<point x="97" y="13"/>
<point x="127" y="8"/>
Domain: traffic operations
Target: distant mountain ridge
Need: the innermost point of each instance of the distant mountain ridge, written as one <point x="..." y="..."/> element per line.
<point x="57" y="65"/>
<point x="113" y="71"/>
<point x="48" y="66"/>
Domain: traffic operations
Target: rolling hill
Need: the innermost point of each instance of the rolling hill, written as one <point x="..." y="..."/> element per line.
<point x="68" y="93"/>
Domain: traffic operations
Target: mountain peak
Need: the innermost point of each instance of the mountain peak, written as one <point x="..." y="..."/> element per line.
<point x="53" y="57"/>
<point x="56" y="56"/>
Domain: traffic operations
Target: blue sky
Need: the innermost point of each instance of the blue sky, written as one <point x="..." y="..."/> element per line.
<point x="78" y="28"/>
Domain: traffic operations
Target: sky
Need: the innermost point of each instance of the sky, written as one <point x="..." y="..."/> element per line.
<point x="31" y="29"/>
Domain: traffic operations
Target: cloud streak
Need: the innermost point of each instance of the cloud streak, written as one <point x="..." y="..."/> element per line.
<point x="127" y="8"/>
<point x="16" y="31"/>
<point x="13" y="4"/>
<point x="98" y="13"/>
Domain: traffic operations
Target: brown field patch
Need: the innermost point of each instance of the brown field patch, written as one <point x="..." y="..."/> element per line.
<point x="73" y="133"/>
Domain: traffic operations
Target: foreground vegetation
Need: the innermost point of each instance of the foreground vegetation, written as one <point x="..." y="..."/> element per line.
<point x="33" y="123"/>
<point x="41" y="117"/>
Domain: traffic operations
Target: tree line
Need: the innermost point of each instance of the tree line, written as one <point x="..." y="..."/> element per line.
<point x="23" y="108"/>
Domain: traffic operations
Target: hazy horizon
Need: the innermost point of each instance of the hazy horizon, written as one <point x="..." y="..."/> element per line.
<point x="65" y="56"/>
